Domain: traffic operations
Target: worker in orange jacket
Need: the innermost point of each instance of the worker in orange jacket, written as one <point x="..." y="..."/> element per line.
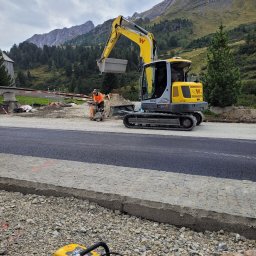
<point x="98" y="99"/>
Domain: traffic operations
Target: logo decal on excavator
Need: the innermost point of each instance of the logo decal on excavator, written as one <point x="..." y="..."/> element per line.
<point x="142" y="40"/>
<point x="196" y="92"/>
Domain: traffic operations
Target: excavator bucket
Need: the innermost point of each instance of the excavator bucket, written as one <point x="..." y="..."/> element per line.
<point x="110" y="65"/>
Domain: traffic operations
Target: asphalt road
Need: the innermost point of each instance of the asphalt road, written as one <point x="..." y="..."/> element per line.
<point x="224" y="158"/>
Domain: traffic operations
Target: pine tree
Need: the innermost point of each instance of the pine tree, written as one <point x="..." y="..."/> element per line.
<point x="21" y="79"/>
<point x="72" y="85"/>
<point x="109" y="83"/>
<point x="5" y="78"/>
<point x="222" y="82"/>
<point x="68" y="70"/>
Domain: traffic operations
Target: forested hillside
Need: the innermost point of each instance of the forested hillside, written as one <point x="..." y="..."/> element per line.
<point x="68" y="68"/>
<point x="185" y="29"/>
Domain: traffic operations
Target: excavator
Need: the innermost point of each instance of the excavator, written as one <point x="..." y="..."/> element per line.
<point x="168" y="99"/>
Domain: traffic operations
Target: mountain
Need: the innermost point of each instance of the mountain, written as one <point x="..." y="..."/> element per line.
<point x="155" y="11"/>
<point x="60" y="36"/>
<point x="177" y="7"/>
<point x="96" y="36"/>
<point x="205" y="16"/>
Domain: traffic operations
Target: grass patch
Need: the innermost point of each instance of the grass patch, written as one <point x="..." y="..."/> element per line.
<point x="208" y="112"/>
<point x="198" y="58"/>
<point x="29" y="100"/>
<point x="247" y="100"/>
<point x="41" y="74"/>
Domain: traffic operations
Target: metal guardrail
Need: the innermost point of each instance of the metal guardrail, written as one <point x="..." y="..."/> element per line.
<point x="31" y="91"/>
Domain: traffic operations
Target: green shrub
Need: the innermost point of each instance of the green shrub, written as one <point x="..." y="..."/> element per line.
<point x="249" y="87"/>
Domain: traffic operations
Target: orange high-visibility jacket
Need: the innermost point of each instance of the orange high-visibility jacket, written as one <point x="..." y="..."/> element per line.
<point x="98" y="98"/>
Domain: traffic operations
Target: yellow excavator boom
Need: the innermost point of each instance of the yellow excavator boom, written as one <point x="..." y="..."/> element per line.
<point x="144" y="39"/>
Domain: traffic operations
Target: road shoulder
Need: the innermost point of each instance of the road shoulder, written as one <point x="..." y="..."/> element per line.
<point x="206" y="130"/>
<point x="198" y="202"/>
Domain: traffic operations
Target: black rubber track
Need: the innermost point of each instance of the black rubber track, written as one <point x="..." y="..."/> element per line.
<point x="161" y="117"/>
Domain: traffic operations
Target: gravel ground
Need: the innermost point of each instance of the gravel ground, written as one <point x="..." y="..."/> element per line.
<point x="38" y="225"/>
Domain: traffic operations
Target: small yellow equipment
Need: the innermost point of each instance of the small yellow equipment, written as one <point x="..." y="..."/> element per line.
<point x="80" y="250"/>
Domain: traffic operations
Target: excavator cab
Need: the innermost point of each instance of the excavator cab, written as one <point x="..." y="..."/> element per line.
<point x="154" y="81"/>
<point x="164" y="88"/>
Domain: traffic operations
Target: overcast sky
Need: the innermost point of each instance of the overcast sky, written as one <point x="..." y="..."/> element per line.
<point x="21" y="19"/>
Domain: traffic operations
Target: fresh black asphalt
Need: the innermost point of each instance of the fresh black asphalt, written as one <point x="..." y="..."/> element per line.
<point x="223" y="158"/>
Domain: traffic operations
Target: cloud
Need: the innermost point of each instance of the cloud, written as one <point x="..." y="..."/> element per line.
<point x="20" y="19"/>
<point x="22" y="14"/>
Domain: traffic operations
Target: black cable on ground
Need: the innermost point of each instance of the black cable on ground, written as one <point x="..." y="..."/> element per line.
<point x="111" y="253"/>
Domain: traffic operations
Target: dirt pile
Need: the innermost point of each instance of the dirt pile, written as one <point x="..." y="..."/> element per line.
<point x="232" y="114"/>
<point x="116" y="99"/>
<point x="112" y="100"/>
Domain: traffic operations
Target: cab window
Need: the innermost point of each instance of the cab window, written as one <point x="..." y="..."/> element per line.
<point x="154" y="80"/>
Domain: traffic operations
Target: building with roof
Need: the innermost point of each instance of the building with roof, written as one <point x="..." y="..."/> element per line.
<point x="8" y="63"/>
<point x="10" y="101"/>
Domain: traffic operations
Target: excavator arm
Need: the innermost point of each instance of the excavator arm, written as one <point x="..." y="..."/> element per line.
<point x="144" y="39"/>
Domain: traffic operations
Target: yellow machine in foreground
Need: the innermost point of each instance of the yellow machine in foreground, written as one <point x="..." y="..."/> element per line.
<point x="168" y="100"/>
<point x="80" y="250"/>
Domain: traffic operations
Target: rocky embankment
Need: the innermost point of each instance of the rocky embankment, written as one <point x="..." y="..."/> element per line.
<point x="232" y="115"/>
